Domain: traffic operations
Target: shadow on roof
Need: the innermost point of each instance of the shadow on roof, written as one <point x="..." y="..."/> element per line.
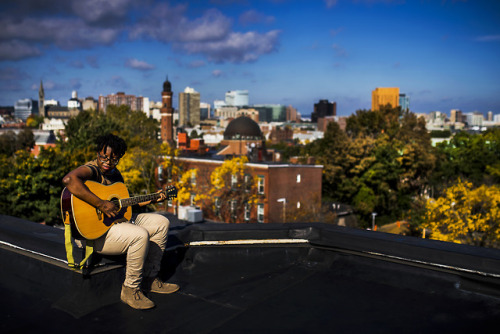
<point x="254" y="278"/>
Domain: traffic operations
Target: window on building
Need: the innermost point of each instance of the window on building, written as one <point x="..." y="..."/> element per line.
<point x="247" y="212"/>
<point x="298" y="178"/>
<point x="234" y="181"/>
<point x="193" y="178"/>
<point x="298" y="205"/>
<point x="260" y="213"/>
<point x="260" y="184"/>
<point x="248" y="182"/>
<point x="233" y="209"/>
<point x="169" y="174"/>
<point x="217" y="205"/>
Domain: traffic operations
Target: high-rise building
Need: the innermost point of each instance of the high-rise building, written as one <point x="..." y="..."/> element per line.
<point x="24" y="108"/>
<point x="89" y="103"/>
<point x="189" y="107"/>
<point x="292" y="115"/>
<point x="205" y="112"/>
<point x="384" y="96"/>
<point x="118" y="99"/>
<point x="237" y="98"/>
<point x="456" y="116"/>
<point x="167" y="114"/>
<point x="323" y="109"/>
<point x="41" y="100"/>
<point x="489" y="117"/>
<point x="404" y="102"/>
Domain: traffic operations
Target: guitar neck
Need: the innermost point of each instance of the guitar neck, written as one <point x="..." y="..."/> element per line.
<point x="139" y="199"/>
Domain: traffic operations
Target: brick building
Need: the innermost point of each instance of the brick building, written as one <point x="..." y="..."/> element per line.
<point x="282" y="187"/>
<point x="135" y="103"/>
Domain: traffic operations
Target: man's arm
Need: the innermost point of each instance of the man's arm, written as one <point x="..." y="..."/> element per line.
<point x="74" y="181"/>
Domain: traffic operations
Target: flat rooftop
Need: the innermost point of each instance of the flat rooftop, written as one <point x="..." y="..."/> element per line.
<point x="256" y="278"/>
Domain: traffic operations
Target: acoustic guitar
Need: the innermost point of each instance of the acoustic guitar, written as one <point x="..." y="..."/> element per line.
<point x="89" y="221"/>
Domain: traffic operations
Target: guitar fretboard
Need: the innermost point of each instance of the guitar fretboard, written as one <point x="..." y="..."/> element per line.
<point x="138" y="199"/>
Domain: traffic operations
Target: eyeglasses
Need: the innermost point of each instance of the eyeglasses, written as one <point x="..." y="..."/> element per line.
<point x="108" y="159"/>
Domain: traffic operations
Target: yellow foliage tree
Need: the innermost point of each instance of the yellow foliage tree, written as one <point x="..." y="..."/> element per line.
<point x="233" y="188"/>
<point x="138" y="169"/>
<point x="186" y="187"/>
<point x="465" y="215"/>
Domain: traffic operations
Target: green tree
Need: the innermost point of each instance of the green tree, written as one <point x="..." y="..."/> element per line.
<point x="379" y="164"/>
<point x="472" y="157"/>
<point x="11" y="142"/>
<point x="31" y="187"/>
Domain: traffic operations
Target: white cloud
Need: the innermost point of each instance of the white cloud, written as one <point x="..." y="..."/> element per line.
<point x="217" y="73"/>
<point x="102" y="11"/>
<point x="75" y="24"/>
<point x="254" y="17"/>
<point x="236" y="47"/>
<point x="65" y="33"/>
<point x="138" y="65"/>
<point x="210" y="35"/>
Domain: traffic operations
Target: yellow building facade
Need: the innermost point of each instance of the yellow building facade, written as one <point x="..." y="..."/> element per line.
<point x="383" y="96"/>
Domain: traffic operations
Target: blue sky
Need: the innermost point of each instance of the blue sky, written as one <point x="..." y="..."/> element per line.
<point x="444" y="54"/>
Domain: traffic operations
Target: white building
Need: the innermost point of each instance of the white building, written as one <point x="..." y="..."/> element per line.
<point x="237" y="98"/>
<point x="74" y="103"/>
<point x="53" y="124"/>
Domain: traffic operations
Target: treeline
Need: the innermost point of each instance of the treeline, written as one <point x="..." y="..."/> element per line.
<point x="384" y="162"/>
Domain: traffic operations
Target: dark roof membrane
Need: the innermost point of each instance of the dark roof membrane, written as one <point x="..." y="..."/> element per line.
<point x="257" y="278"/>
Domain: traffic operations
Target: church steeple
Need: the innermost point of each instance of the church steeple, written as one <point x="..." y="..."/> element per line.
<point x="41" y="100"/>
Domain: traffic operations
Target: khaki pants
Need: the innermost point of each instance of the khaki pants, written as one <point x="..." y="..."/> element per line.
<point x="143" y="240"/>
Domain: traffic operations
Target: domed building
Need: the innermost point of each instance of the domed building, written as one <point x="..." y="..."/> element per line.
<point x="243" y="136"/>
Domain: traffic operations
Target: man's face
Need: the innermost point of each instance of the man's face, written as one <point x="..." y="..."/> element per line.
<point x="107" y="160"/>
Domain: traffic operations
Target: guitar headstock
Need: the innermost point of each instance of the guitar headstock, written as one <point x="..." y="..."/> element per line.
<point x="171" y="192"/>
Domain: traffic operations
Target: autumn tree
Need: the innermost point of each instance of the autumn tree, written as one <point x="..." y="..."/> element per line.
<point x="378" y="164"/>
<point x="465" y="215"/>
<point x="234" y="189"/>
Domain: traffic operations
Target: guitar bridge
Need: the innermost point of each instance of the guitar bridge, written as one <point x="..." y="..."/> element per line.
<point x="99" y="214"/>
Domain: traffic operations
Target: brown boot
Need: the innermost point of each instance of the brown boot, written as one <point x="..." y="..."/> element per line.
<point x="135" y="298"/>
<point x="157" y="286"/>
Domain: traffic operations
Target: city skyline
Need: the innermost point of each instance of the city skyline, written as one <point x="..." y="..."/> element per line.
<point x="443" y="54"/>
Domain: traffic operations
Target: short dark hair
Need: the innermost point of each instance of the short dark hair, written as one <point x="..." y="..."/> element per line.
<point x="117" y="144"/>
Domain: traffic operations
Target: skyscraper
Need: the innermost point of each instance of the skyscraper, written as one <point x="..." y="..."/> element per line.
<point x="456" y="116"/>
<point x="189" y="107"/>
<point x="404" y="102"/>
<point x="323" y="109"/>
<point x="237" y="98"/>
<point x="120" y="98"/>
<point x="384" y="96"/>
<point x="167" y="114"/>
<point x="41" y="100"/>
